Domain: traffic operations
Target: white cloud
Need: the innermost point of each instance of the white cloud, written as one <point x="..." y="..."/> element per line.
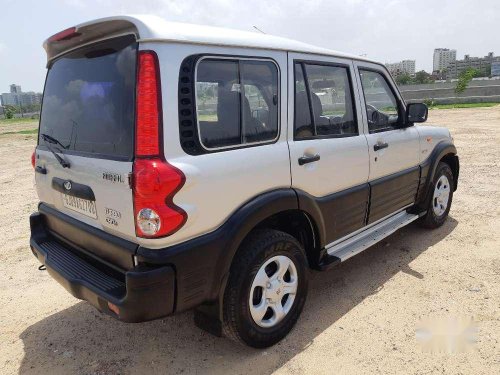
<point x="3" y="48"/>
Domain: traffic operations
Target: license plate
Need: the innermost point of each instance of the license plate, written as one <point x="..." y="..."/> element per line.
<point x="83" y="206"/>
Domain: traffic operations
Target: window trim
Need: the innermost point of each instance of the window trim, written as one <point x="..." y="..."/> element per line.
<point x="401" y="107"/>
<point x="302" y="63"/>
<point x="195" y="106"/>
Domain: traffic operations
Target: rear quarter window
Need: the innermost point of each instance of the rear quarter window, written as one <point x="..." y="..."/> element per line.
<point x="235" y="104"/>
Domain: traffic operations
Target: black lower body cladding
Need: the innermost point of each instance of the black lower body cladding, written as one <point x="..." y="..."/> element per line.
<point x="98" y="267"/>
<point x="144" y="292"/>
<point x="138" y="294"/>
<point x="150" y="283"/>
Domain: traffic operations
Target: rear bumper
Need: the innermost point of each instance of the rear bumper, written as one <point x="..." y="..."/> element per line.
<point x="141" y="293"/>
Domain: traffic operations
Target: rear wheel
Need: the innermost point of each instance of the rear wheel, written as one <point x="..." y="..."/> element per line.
<point x="266" y="290"/>
<point x="442" y="195"/>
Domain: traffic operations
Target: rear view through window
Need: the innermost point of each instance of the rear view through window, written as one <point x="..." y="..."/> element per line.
<point x="88" y="103"/>
<point x="381" y="106"/>
<point x="236" y="102"/>
<point x="328" y="89"/>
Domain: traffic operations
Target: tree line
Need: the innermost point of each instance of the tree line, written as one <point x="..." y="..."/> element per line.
<point x="10" y="110"/>
<point x="423" y="77"/>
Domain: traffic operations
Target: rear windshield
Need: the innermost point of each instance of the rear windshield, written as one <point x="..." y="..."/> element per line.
<point x="88" y="102"/>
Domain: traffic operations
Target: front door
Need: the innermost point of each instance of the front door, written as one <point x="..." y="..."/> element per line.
<point x="328" y="149"/>
<point x="393" y="149"/>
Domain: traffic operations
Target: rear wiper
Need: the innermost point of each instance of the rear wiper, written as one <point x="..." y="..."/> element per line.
<point x="48" y="140"/>
<point x="51" y="139"/>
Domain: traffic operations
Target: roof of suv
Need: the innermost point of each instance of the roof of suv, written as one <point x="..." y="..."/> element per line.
<point x="154" y="28"/>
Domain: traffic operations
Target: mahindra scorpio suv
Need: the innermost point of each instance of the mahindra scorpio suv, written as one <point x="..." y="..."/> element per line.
<point x="181" y="166"/>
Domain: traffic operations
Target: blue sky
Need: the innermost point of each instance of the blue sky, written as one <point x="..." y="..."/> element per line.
<point x="385" y="30"/>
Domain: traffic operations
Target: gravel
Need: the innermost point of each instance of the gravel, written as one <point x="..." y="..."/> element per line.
<point x="360" y="317"/>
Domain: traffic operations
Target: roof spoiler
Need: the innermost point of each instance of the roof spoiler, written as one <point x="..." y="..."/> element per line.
<point x="97" y="30"/>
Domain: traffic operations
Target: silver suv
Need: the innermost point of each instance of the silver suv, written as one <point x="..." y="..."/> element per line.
<point x="181" y="166"/>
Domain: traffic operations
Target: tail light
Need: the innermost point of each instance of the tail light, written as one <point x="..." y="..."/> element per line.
<point x="33" y="161"/>
<point x="155" y="182"/>
<point x="147" y="139"/>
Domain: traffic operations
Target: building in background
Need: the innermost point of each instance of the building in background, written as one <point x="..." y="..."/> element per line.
<point x="402" y="67"/>
<point x="9" y="99"/>
<point x="495" y="68"/>
<point x="15" y="89"/>
<point x="443" y="57"/>
<point x="17" y="97"/>
<point x="481" y="64"/>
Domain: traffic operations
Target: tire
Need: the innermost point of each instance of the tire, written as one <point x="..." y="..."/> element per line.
<point x="272" y="247"/>
<point x="438" y="212"/>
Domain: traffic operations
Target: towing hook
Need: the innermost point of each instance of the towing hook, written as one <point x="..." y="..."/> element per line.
<point x="42" y="268"/>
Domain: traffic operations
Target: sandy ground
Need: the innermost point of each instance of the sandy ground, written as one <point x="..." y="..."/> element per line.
<point x="360" y="317"/>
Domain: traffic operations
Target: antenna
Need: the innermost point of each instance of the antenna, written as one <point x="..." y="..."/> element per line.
<point x="259" y="30"/>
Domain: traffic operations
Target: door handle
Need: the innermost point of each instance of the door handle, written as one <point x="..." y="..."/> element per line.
<point x="308" y="159"/>
<point x="380" y="146"/>
<point x="40" y="170"/>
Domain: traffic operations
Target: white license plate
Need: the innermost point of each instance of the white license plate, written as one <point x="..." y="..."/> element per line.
<point x="80" y="205"/>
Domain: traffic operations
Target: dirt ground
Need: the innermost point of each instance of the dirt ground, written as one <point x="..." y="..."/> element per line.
<point x="360" y="317"/>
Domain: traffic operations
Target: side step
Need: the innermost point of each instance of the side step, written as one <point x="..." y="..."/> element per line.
<point x="349" y="247"/>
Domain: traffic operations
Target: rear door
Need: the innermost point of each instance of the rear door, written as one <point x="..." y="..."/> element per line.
<point x="88" y="120"/>
<point x="328" y="149"/>
<point x="394" y="149"/>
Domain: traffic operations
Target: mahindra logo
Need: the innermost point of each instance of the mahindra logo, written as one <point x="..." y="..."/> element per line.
<point x="67" y="185"/>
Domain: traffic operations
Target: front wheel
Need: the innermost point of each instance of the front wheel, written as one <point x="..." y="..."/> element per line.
<point x="266" y="290"/>
<point x="442" y="195"/>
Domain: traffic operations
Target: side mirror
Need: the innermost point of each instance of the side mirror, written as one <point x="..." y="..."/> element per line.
<point x="416" y="112"/>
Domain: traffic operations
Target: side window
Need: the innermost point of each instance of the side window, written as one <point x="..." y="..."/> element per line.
<point x="381" y="104"/>
<point x="236" y="102"/>
<point x="329" y="91"/>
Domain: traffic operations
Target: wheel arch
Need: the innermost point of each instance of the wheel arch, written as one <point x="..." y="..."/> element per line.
<point x="452" y="160"/>
<point x="282" y="216"/>
<point x="300" y="225"/>
<point x="444" y="151"/>
<point x="277" y="210"/>
<point x="202" y="264"/>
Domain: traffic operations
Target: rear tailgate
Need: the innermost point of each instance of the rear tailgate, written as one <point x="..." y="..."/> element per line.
<point x="88" y="120"/>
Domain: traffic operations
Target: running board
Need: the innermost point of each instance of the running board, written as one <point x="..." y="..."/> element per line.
<point x="342" y="251"/>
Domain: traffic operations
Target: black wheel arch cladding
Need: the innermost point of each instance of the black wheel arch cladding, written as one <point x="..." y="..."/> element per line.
<point x="445" y="151"/>
<point x="213" y="253"/>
